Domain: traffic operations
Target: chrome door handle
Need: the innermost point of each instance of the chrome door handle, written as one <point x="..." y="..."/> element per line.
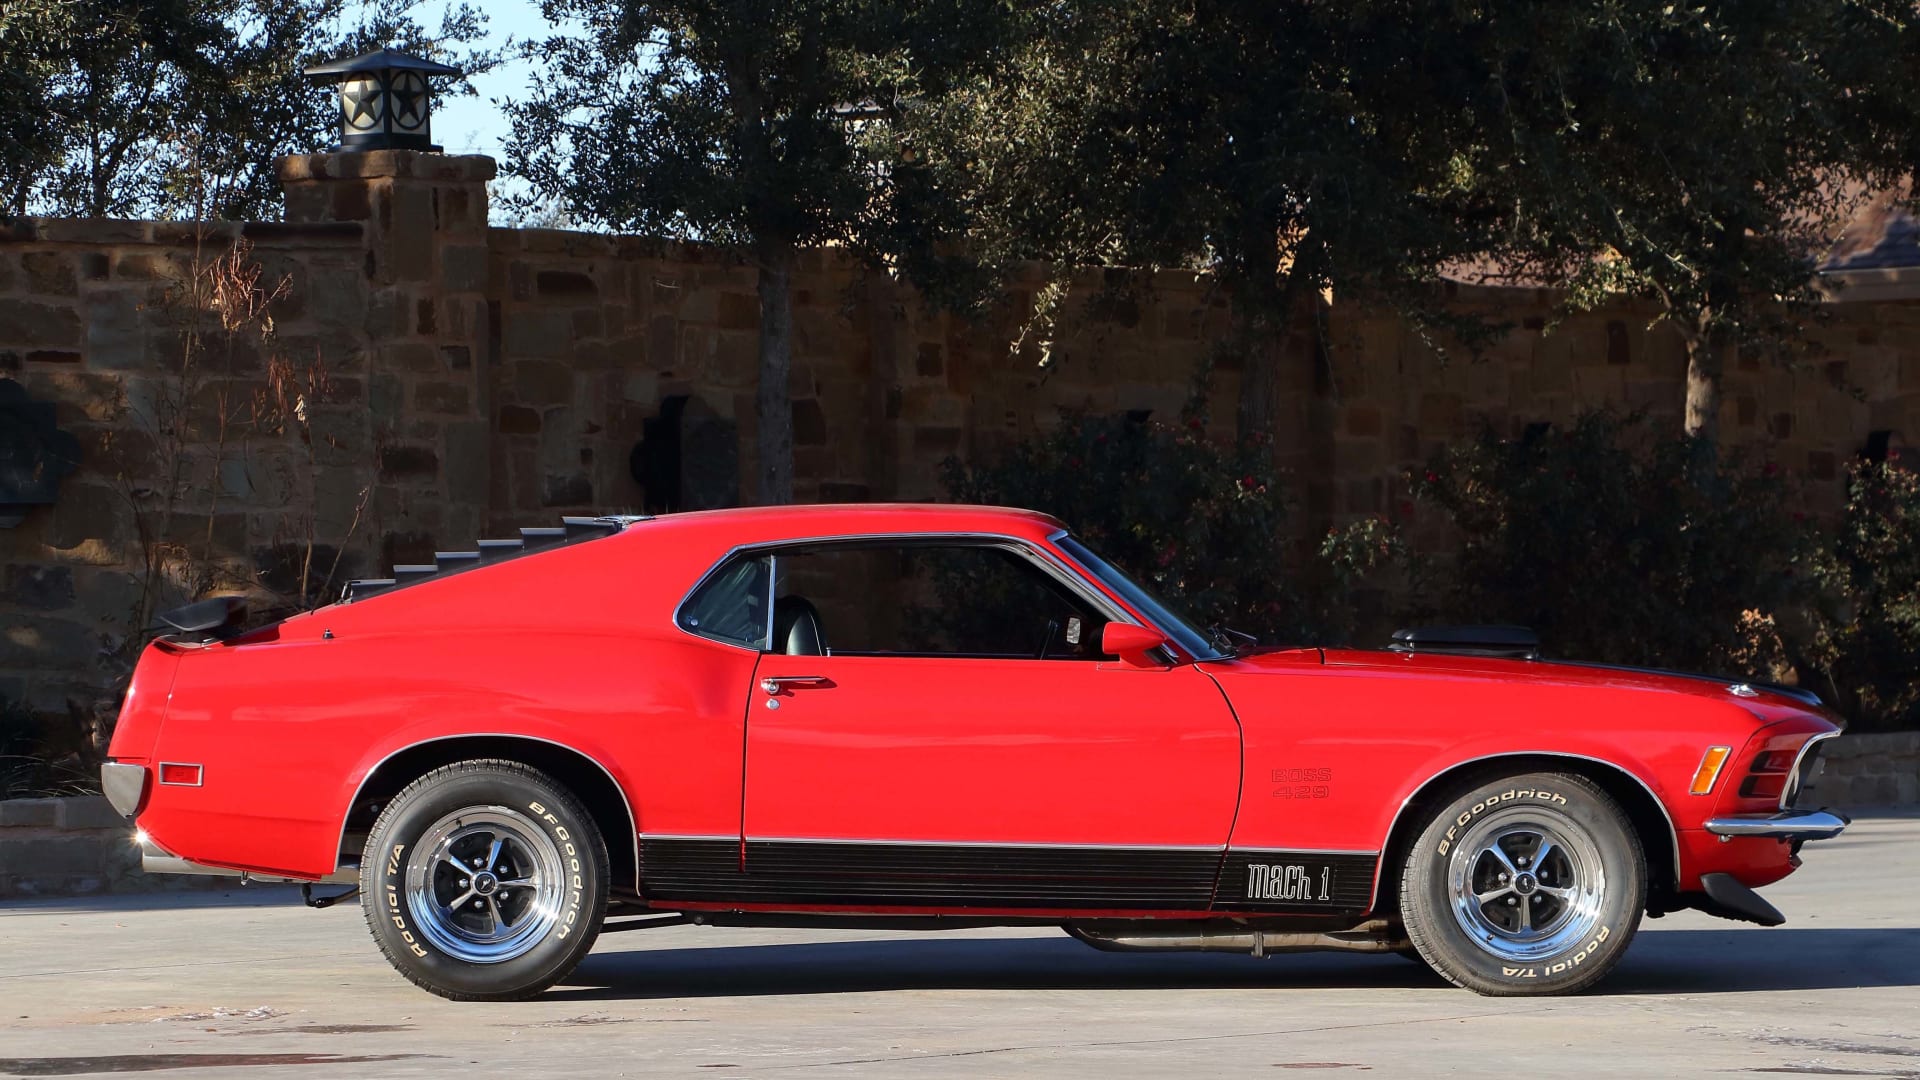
<point x="773" y="684"/>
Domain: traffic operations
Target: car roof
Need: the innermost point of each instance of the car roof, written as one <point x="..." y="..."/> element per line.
<point x="766" y="524"/>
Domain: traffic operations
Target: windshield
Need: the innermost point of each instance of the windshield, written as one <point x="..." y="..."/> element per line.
<point x="1192" y="640"/>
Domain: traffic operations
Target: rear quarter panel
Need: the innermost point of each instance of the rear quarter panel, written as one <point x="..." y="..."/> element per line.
<point x="573" y="646"/>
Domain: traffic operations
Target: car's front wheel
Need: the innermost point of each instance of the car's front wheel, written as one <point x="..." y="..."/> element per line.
<point x="484" y="881"/>
<point x="1526" y="884"/>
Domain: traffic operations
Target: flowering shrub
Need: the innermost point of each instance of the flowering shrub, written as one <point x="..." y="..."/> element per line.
<point x="1617" y="544"/>
<point x="1190" y="518"/>
<point x="1867" y="631"/>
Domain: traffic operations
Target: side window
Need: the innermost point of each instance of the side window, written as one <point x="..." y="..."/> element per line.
<point x="732" y="604"/>
<point x="931" y="600"/>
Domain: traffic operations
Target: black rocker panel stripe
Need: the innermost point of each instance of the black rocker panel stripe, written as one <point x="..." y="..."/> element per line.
<point x="932" y="875"/>
<point x="943" y="875"/>
<point x="1296" y="882"/>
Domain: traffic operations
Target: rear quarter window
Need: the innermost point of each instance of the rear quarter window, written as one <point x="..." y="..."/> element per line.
<point x="731" y="605"/>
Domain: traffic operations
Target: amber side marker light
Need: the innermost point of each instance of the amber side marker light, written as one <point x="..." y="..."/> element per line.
<point x="1709" y="770"/>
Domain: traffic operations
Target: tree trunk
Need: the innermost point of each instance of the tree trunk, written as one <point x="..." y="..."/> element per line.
<point x="1706" y="360"/>
<point x="775" y="403"/>
<point x="1264" y="307"/>
<point x="1263" y="346"/>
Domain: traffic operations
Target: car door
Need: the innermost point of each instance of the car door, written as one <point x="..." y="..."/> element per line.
<point x="933" y="726"/>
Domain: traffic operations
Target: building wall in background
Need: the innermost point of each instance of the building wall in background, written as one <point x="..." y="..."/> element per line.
<point x="478" y="380"/>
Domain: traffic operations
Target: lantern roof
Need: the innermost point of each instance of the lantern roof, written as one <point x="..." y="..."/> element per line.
<point x="381" y="60"/>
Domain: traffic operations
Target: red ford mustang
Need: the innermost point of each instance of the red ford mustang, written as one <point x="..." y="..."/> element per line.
<point x="936" y="716"/>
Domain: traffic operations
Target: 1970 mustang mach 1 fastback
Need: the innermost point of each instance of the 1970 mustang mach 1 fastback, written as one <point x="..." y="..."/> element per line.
<point x="936" y="716"/>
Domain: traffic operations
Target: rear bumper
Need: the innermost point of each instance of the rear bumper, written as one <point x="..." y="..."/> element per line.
<point x="155" y="859"/>
<point x="125" y="787"/>
<point x="1798" y="825"/>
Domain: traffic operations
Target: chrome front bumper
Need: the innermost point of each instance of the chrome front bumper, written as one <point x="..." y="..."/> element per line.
<point x="155" y="859"/>
<point x="1800" y="825"/>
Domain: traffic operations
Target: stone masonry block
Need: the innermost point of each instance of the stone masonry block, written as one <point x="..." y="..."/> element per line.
<point x="28" y="813"/>
<point x="31" y="323"/>
<point x="409" y="236"/>
<point x="87" y="812"/>
<point x="538" y="334"/>
<point x="50" y="273"/>
<point x="115" y="339"/>
<point x="43" y="857"/>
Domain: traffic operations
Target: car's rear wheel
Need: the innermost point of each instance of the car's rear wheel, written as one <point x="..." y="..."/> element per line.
<point x="1526" y="884"/>
<point x="484" y="881"/>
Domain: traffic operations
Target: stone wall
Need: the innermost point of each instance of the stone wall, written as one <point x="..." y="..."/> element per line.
<point x="483" y="379"/>
<point x="1867" y="770"/>
<point x="64" y="847"/>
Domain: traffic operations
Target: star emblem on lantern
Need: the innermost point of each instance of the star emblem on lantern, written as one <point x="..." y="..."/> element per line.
<point x="409" y="96"/>
<point x="360" y="101"/>
<point x="386" y="102"/>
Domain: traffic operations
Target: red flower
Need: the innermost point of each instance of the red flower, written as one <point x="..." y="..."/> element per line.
<point x="1195" y="424"/>
<point x="1432" y="477"/>
<point x="1769" y="468"/>
<point x="1247" y="480"/>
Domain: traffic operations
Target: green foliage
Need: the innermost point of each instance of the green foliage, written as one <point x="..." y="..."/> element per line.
<point x="179" y="108"/>
<point x="1191" y="519"/>
<point x="41" y="757"/>
<point x="1701" y="154"/>
<point x="748" y="124"/>
<point x="1616" y="544"/>
<point x="1867" y="635"/>
<point x="1288" y="148"/>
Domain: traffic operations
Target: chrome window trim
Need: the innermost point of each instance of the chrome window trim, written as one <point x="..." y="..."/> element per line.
<point x="1172" y="646"/>
<point x="1791" y="790"/>
<point x="1673" y="831"/>
<point x="1049" y="563"/>
<point x="710" y="573"/>
<point x="633" y="822"/>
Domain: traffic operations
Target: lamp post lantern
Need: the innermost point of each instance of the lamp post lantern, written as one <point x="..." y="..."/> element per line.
<point x="385" y="102"/>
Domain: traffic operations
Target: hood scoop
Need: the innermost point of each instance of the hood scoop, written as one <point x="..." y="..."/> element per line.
<point x="571" y="529"/>
<point x="1506" y="642"/>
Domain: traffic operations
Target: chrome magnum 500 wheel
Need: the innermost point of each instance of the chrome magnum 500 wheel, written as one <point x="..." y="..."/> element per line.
<point x="484" y="880"/>
<point x="1530" y="884"/>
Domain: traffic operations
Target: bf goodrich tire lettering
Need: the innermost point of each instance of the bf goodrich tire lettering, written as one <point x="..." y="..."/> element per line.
<point x="1525" y="885"/>
<point x="484" y="881"/>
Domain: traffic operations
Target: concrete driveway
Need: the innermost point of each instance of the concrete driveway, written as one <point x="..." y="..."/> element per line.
<point x="251" y="984"/>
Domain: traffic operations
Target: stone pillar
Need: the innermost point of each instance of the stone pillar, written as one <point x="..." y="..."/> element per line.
<point x="425" y="228"/>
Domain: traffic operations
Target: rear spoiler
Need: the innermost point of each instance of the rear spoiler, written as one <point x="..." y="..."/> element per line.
<point x="216" y="618"/>
<point x="571" y="529"/>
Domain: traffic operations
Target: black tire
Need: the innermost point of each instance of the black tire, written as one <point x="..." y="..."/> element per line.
<point x="1556" y="928"/>
<point x="527" y="926"/>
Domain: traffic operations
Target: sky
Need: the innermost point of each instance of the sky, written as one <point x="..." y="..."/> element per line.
<point x="476" y="125"/>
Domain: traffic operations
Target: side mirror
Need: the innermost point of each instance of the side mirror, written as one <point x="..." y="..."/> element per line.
<point x="1132" y="643"/>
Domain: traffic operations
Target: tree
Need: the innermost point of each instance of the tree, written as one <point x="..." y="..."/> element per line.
<point x="759" y="127"/>
<point x="179" y="108"/>
<point x="1701" y="154"/>
<point x="1289" y="148"/>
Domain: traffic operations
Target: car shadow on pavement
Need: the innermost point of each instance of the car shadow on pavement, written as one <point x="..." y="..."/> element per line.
<point x="1660" y="962"/>
<point x="1740" y="960"/>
